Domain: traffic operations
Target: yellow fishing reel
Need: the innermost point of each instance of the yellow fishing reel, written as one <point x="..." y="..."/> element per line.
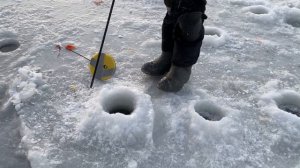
<point x="106" y="67"/>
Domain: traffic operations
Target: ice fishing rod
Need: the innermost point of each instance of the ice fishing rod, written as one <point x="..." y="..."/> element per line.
<point x="102" y="43"/>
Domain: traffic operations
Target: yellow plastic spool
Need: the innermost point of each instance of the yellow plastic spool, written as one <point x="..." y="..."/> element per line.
<point x="106" y="68"/>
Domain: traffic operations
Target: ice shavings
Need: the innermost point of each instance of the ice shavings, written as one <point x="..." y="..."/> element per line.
<point x="25" y="86"/>
<point x="36" y="155"/>
<point x="133" y="130"/>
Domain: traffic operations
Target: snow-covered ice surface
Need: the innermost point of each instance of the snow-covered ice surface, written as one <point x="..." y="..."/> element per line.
<point x="240" y="109"/>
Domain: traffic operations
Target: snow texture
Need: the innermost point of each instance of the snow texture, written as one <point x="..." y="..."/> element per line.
<point x="26" y="86"/>
<point x="240" y="108"/>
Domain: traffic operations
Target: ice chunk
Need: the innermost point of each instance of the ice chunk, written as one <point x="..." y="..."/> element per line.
<point x="25" y="86"/>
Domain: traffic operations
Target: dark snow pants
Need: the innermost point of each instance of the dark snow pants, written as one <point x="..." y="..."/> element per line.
<point x="183" y="31"/>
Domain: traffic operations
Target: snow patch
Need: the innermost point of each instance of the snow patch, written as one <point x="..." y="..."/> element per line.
<point x="134" y="130"/>
<point x="7" y="35"/>
<point x="25" y="86"/>
<point x="214" y="37"/>
<point x="271" y="85"/>
<point x="132" y="164"/>
<point x="151" y="43"/>
<point x="36" y="155"/>
<point x="38" y="158"/>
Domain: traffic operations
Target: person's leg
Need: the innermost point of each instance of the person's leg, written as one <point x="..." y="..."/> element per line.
<point x="189" y="33"/>
<point x="167" y="36"/>
<point x="162" y="64"/>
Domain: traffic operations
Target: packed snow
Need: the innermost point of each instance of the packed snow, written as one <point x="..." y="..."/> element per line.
<point x="241" y="107"/>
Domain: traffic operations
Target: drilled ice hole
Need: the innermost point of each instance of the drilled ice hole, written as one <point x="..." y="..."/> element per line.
<point x="9" y="45"/>
<point x="212" y="31"/>
<point x="119" y="101"/>
<point x="259" y="10"/>
<point x="290" y="108"/>
<point x="209" y="111"/>
<point x="289" y="102"/>
<point x="214" y="37"/>
<point x="247" y="3"/>
<point x="293" y="18"/>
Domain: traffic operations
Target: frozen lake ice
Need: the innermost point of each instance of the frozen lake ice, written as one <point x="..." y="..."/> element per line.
<point x="240" y="108"/>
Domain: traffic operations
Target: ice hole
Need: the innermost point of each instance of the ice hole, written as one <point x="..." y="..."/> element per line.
<point x="119" y="101"/>
<point x="290" y="108"/>
<point x="9" y="45"/>
<point x="209" y="111"/>
<point x="212" y="31"/>
<point x="289" y="102"/>
<point x="292" y="17"/>
<point x="293" y="20"/>
<point x="214" y="37"/>
<point x="259" y="10"/>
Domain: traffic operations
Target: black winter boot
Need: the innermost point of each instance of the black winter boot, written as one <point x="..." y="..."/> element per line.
<point x="175" y="79"/>
<point x="159" y="66"/>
